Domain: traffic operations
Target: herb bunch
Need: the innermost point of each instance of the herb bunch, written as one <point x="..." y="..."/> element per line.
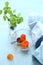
<point x="13" y="18"/>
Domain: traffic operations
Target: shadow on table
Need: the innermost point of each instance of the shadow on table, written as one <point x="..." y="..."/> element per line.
<point x="35" y="61"/>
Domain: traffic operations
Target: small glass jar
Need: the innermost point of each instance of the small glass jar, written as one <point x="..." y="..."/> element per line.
<point x="12" y="34"/>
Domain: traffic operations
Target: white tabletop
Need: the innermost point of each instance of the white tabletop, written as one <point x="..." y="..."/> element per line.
<point x="20" y="58"/>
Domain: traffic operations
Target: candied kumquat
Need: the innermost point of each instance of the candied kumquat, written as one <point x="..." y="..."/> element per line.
<point x="23" y="37"/>
<point x="24" y="44"/>
<point x="10" y="56"/>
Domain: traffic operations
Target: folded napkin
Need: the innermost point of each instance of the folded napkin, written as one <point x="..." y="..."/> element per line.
<point x="38" y="53"/>
<point x="37" y="31"/>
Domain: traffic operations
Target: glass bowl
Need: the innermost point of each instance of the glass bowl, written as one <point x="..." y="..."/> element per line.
<point x="25" y="31"/>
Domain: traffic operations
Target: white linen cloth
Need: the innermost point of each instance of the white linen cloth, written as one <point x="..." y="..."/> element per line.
<point x="38" y="53"/>
<point x="37" y="31"/>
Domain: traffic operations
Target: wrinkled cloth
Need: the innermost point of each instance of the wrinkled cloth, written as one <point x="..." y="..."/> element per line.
<point x="37" y="31"/>
<point x="38" y="42"/>
<point x="38" y="53"/>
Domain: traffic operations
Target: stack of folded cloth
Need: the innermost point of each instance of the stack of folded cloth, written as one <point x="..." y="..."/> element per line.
<point x="36" y="28"/>
<point x="37" y="37"/>
<point x="37" y="34"/>
<point x="38" y="53"/>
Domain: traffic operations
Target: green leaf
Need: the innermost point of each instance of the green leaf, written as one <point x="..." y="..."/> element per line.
<point x="6" y="4"/>
<point x="9" y="11"/>
<point x="19" y="20"/>
<point x="13" y="23"/>
<point x="4" y="17"/>
<point x="14" y="10"/>
<point x="6" y="8"/>
<point x="11" y="18"/>
<point x="19" y="14"/>
<point x="15" y="16"/>
<point x="0" y="11"/>
<point x="5" y="11"/>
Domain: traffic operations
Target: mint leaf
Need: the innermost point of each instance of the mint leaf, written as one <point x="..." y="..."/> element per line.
<point x="13" y="23"/>
<point x="6" y="4"/>
<point x="15" y="16"/>
<point x="19" y="20"/>
<point x="5" y="11"/>
<point x="19" y="14"/>
<point x="0" y="11"/>
<point x="14" y="10"/>
<point x="4" y="17"/>
<point x="9" y="11"/>
<point x="5" y="8"/>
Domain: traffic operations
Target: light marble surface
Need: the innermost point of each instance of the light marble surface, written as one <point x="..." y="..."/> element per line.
<point x="20" y="58"/>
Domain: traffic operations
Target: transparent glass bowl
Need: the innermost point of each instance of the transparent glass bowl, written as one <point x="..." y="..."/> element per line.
<point x="18" y="33"/>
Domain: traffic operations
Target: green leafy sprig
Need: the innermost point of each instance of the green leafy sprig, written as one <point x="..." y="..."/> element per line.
<point x="13" y="18"/>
